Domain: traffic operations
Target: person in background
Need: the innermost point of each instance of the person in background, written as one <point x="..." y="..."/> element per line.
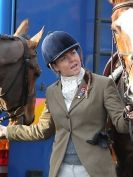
<point x="77" y="107"/>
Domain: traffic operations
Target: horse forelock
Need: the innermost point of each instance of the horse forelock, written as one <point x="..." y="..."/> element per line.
<point x="115" y="2"/>
<point x="10" y="51"/>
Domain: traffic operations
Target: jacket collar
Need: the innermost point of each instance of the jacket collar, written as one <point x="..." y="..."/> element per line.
<point x="82" y="92"/>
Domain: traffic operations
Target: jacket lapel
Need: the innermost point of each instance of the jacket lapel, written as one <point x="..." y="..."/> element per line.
<point x="83" y="90"/>
<point x="59" y="96"/>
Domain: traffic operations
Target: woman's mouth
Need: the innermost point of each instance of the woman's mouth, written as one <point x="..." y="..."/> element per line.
<point x="74" y="66"/>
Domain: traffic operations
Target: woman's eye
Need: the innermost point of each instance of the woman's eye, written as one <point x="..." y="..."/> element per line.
<point x="74" y="52"/>
<point x="62" y="58"/>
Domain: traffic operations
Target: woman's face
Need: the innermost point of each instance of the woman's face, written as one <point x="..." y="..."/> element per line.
<point x="69" y="64"/>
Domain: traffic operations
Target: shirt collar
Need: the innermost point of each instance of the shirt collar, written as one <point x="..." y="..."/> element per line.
<point x="76" y="78"/>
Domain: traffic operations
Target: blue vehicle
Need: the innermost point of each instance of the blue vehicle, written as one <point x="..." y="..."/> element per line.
<point x="89" y="22"/>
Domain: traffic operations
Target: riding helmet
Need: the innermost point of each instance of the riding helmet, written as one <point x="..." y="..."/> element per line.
<point x="56" y="44"/>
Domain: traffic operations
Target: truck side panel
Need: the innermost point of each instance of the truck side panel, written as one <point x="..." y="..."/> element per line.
<point x="89" y="22"/>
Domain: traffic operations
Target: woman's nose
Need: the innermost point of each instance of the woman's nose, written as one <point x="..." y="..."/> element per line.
<point x="71" y="58"/>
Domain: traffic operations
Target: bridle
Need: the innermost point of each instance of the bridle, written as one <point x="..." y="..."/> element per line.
<point x="16" y="111"/>
<point x="121" y="56"/>
<point x="121" y="5"/>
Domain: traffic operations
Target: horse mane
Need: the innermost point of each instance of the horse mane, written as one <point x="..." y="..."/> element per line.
<point x="114" y="2"/>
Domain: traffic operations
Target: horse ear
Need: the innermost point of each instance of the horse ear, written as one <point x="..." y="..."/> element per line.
<point x="23" y="28"/>
<point x="34" y="41"/>
<point x="112" y="1"/>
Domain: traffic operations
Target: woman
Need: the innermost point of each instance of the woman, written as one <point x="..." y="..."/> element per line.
<point x="77" y="108"/>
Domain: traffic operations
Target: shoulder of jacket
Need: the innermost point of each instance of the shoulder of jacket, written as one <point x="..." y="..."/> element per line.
<point x="100" y="77"/>
<point x="101" y="80"/>
<point x="53" y="85"/>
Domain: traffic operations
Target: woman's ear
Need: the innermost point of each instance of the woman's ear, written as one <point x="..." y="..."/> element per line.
<point x="54" y="66"/>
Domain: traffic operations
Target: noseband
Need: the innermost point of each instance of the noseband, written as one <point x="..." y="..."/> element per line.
<point x="16" y="111"/>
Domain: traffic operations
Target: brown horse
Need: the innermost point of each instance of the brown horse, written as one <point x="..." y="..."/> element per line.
<point x="120" y="68"/>
<point x="18" y="72"/>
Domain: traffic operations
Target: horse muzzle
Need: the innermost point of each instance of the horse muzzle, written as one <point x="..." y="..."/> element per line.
<point x="128" y="96"/>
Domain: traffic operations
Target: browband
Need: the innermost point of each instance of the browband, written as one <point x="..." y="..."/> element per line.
<point x="121" y="5"/>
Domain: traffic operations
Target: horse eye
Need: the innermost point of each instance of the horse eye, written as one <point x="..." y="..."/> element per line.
<point x="114" y="31"/>
<point x="38" y="72"/>
<point x="116" y="28"/>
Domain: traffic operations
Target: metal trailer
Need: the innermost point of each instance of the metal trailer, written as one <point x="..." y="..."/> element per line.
<point x="89" y="22"/>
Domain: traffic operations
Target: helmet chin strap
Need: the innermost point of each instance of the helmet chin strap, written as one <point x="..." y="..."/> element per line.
<point x="50" y="66"/>
<point x="81" y="56"/>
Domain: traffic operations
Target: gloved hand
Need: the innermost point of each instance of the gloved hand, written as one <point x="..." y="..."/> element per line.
<point x="130" y="115"/>
<point x="3" y="131"/>
<point x="129" y="112"/>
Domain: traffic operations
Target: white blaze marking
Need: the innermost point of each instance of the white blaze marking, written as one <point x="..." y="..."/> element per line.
<point x="125" y="21"/>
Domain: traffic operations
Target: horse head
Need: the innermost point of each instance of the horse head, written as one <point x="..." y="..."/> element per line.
<point x="120" y="68"/>
<point x="18" y="72"/>
<point x="122" y="28"/>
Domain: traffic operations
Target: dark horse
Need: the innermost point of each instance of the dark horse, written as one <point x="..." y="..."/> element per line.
<point x="18" y="72"/>
<point x="120" y="68"/>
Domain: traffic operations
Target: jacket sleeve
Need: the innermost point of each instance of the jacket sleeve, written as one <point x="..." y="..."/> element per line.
<point x="44" y="129"/>
<point x="115" y="107"/>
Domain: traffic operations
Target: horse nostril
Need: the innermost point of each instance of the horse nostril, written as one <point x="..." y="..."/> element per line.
<point x="131" y="57"/>
<point x="128" y="95"/>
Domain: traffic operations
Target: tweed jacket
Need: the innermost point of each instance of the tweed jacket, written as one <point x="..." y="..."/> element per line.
<point x="95" y="98"/>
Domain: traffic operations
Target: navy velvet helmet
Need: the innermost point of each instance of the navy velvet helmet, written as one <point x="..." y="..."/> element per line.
<point x="56" y="44"/>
